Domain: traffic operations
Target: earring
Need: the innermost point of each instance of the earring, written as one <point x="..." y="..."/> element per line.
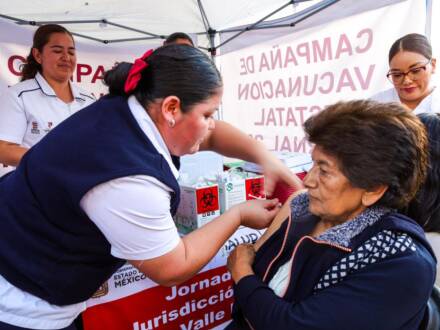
<point x="171" y="122"/>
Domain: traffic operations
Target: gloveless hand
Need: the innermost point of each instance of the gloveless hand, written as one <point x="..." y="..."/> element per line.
<point x="275" y="171"/>
<point x="258" y="214"/>
<point x="240" y="261"/>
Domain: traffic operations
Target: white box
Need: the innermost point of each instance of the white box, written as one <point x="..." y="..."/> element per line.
<point x="239" y="189"/>
<point x="198" y="206"/>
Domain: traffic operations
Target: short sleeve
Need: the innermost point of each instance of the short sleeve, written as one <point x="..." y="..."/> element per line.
<point x="13" y="121"/>
<point x="133" y="213"/>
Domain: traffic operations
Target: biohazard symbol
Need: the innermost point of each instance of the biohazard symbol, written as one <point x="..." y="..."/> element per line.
<point x="207" y="199"/>
<point x="255" y="187"/>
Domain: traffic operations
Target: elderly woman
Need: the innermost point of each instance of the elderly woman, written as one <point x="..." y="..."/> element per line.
<point x="339" y="256"/>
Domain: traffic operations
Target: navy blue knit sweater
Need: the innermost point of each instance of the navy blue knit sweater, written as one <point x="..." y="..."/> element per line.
<point x="381" y="278"/>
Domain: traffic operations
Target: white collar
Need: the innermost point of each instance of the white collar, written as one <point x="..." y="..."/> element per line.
<point x="426" y="105"/>
<point x="150" y="130"/>
<point x="48" y="90"/>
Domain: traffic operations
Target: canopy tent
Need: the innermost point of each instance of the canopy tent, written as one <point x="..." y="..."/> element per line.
<point x="215" y="23"/>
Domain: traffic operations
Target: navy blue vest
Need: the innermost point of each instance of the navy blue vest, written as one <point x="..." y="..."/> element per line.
<point x="48" y="245"/>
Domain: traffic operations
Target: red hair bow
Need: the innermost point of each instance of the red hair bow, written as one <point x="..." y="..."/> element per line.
<point x="134" y="75"/>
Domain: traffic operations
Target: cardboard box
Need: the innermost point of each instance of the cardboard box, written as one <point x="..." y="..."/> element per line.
<point x="198" y="206"/>
<point x="238" y="189"/>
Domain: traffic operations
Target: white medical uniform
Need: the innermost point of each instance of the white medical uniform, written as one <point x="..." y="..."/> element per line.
<point x="30" y="109"/>
<point x="430" y="104"/>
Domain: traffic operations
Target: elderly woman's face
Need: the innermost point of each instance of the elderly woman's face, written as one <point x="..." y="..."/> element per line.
<point x="332" y="197"/>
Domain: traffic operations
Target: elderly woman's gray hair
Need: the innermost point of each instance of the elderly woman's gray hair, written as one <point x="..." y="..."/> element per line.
<point x="375" y="144"/>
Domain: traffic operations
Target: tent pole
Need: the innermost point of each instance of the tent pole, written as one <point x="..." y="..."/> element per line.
<point x="310" y="11"/>
<point x="38" y="23"/>
<point x="428" y="18"/>
<point x="210" y="32"/>
<point x="88" y="21"/>
<point x="17" y="20"/>
<point x="132" y="29"/>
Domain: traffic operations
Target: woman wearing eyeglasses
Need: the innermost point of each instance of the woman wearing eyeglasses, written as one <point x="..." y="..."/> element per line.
<point x="411" y="66"/>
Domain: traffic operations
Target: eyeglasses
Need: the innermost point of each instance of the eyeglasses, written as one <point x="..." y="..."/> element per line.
<point x="416" y="73"/>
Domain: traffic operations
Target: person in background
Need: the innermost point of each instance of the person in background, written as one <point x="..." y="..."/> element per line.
<point x="178" y="38"/>
<point x="425" y="207"/>
<point x="411" y="69"/>
<point x="44" y="97"/>
<point x="340" y="256"/>
<point x="101" y="189"/>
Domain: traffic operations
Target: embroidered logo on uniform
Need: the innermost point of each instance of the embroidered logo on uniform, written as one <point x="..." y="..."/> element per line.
<point x="102" y="290"/>
<point x="35" y="129"/>
<point x="49" y="126"/>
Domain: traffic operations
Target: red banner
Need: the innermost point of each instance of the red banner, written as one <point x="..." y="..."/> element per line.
<point x="203" y="302"/>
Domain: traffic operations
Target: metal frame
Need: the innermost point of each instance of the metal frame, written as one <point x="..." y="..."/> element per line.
<point x="100" y="21"/>
<point x="209" y="31"/>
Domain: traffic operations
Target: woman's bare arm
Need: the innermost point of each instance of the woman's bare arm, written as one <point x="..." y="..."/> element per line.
<point x="11" y="153"/>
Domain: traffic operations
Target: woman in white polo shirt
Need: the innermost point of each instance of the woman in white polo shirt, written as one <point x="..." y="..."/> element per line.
<point x="44" y="97"/>
<point x="411" y="68"/>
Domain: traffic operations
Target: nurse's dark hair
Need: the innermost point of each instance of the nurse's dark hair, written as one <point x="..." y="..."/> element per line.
<point x="41" y="37"/>
<point x="425" y="207"/>
<point x="413" y="42"/>
<point x="375" y="144"/>
<point x="179" y="70"/>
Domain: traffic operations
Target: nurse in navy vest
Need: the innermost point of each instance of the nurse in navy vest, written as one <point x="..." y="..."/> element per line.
<point x="101" y="189"/>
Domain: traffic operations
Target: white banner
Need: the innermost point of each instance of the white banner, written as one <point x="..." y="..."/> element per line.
<point x="273" y="87"/>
